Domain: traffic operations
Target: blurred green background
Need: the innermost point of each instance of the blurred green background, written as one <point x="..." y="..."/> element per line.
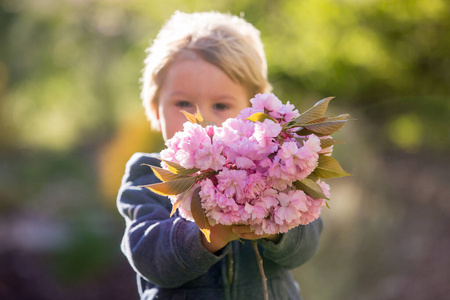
<point x="70" y="117"/>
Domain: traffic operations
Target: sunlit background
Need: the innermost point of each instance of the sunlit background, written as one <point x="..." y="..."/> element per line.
<point x="70" y="117"/>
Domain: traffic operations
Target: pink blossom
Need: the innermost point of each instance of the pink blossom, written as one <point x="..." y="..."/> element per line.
<point x="325" y="188"/>
<point x="185" y="206"/>
<point x="266" y="130"/>
<point x="245" y="149"/>
<point x="225" y="217"/>
<point x="269" y="198"/>
<point x="278" y="183"/>
<point x="257" y="212"/>
<point x="264" y="134"/>
<point x="266" y="101"/>
<point x="267" y="226"/>
<point x="255" y="185"/>
<point x="231" y="182"/>
<point x="328" y="150"/>
<point x="314" y="206"/>
<point x="168" y="154"/>
<point x="286" y="214"/>
<point x="209" y="157"/>
<point x="207" y="194"/>
<point x="186" y="143"/>
<point x="226" y="203"/>
<point x="172" y="148"/>
<point x="249" y="111"/>
<point x="244" y="163"/>
<point x="289" y="209"/>
<point x="237" y="128"/>
<point x="295" y="161"/>
<point x="284" y="114"/>
<point x="289" y="112"/>
<point x="211" y="130"/>
<point x="312" y="143"/>
<point x="298" y="199"/>
<point x="250" y="169"/>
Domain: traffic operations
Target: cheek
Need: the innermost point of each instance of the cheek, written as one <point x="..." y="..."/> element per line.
<point x="173" y="122"/>
<point x="235" y="112"/>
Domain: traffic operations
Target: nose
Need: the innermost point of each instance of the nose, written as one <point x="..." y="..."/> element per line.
<point x="207" y="114"/>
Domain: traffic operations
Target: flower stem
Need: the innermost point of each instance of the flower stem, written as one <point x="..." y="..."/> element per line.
<point x="261" y="270"/>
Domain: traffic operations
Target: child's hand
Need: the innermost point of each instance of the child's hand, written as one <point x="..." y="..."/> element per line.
<point x="244" y="232"/>
<point x="220" y="236"/>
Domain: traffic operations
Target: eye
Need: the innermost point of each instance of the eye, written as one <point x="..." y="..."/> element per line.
<point x="183" y="103"/>
<point x="220" y="106"/>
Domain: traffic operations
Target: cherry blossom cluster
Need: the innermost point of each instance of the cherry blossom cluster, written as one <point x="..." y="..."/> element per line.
<point x="249" y="168"/>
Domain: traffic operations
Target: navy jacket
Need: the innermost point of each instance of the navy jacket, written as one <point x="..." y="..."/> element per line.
<point x="171" y="262"/>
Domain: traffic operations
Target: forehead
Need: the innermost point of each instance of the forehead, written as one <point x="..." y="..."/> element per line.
<point x="197" y="77"/>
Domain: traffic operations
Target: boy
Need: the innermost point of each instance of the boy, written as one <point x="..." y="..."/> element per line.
<point x="216" y="62"/>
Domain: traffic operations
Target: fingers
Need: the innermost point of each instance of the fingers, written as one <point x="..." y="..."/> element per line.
<point x="250" y="236"/>
<point x="242" y="229"/>
<point x="224" y="232"/>
<point x="244" y="232"/>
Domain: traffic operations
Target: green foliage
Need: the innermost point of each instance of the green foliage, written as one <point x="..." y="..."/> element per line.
<point x="315" y="112"/>
<point x="311" y="188"/>
<point x="178" y="169"/>
<point x="173" y="187"/>
<point x="313" y="121"/>
<point x="325" y="143"/>
<point x="163" y="174"/>
<point x="199" y="216"/>
<point x="196" y="118"/>
<point x="260" y="117"/>
<point x="329" y="168"/>
<point x="176" y="181"/>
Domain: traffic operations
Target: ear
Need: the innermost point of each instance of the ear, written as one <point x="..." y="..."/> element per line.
<point x="155" y="123"/>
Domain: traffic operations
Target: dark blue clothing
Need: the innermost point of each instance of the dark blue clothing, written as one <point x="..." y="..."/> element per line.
<point x="171" y="262"/>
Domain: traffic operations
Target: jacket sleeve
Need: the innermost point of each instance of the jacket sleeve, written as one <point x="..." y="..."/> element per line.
<point x="296" y="246"/>
<point x="166" y="251"/>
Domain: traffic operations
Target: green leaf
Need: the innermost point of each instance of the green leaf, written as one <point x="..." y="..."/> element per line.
<point x="327" y="126"/>
<point x="179" y="200"/>
<point x="315" y="112"/>
<point x="311" y="188"/>
<point x="197" y="118"/>
<point x="164" y="174"/>
<point x="191" y="117"/>
<point x="325" y="143"/>
<point x="199" y="115"/>
<point x="339" y="117"/>
<point x="319" y="120"/>
<point x="177" y="168"/>
<point x="205" y="123"/>
<point x="173" y="166"/>
<point x="304" y="132"/>
<point x="313" y="176"/>
<point x="301" y="140"/>
<point x="329" y="168"/>
<point x="201" y="120"/>
<point x="260" y="117"/>
<point x="175" y="206"/>
<point x="199" y="215"/>
<point x="172" y="188"/>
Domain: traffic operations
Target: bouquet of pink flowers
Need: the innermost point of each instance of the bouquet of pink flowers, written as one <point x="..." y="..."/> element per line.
<point x="264" y="168"/>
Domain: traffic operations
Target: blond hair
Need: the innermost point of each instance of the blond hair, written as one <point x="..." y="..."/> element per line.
<point x="228" y="42"/>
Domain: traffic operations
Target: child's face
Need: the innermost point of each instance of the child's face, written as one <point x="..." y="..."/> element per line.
<point x="194" y="81"/>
